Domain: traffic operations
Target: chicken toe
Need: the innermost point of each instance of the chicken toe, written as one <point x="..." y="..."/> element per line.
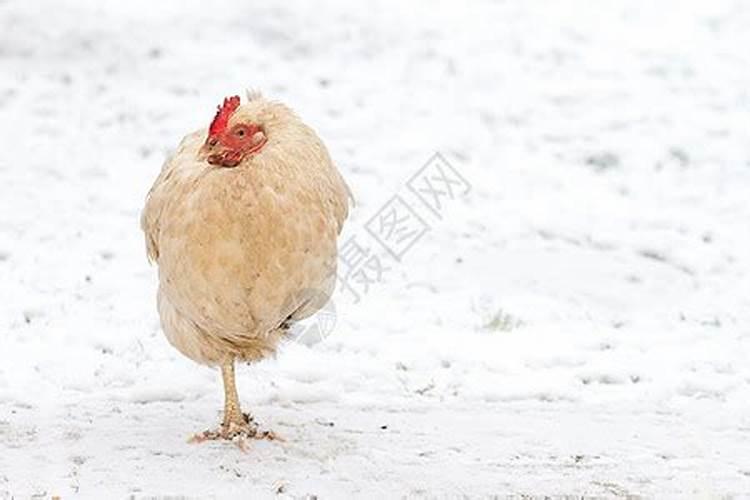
<point x="238" y="430"/>
<point x="236" y="426"/>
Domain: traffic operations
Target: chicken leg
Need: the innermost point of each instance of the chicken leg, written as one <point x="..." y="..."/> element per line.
<point x="235" y="424"/>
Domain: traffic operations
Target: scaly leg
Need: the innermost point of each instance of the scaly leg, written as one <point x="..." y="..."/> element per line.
<point x="235" y="424"/>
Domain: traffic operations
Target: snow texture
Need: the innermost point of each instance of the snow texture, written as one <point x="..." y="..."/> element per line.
<point x="574" y="321"/>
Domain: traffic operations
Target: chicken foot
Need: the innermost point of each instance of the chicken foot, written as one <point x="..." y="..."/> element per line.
<point x="236" y="426"/>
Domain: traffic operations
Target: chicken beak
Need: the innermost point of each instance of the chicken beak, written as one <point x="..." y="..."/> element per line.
<point x="210" y="153"/>
<point x="208" y="146"/>
<point x="225" y="158"/>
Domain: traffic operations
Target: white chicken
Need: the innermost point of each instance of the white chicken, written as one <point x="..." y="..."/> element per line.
<point x="242" y="222"/>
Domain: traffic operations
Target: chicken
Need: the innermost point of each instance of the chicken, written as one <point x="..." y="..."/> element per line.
<point x="242" y="222"/>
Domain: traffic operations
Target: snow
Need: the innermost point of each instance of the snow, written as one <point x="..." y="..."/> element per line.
<point x="575" y="324"/>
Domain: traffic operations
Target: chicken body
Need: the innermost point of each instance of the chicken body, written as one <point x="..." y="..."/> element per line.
<point x="243" y="250"/>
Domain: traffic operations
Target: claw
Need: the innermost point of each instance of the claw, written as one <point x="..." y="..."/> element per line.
<point x="240" y="433"/>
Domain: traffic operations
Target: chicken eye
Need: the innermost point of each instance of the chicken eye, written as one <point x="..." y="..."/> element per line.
<point x="240" y="132"/>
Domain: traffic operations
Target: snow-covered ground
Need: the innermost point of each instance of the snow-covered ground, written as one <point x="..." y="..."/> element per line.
<point x="577" y="323"/>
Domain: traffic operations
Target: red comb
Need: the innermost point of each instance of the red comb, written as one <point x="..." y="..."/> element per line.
<point x="219" y="124"/>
